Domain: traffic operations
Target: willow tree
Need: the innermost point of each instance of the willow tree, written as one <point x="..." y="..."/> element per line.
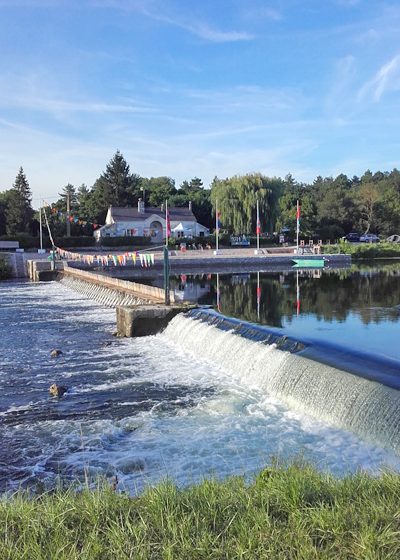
<point x="237" y="202"/>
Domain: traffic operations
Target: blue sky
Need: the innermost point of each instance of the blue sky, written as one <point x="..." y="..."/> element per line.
<point x="186" y="88"/>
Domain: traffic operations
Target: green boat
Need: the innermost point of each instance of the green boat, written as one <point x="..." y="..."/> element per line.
<point x="308" y="263"/>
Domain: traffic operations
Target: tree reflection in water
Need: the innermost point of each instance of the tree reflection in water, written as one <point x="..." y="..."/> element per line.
<point x="370" y="291"/>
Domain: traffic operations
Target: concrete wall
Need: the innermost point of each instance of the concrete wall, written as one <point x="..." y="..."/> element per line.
<point x="16" y="262"/>
<point x="145" y="320"/>
<point x="134" y="289"/>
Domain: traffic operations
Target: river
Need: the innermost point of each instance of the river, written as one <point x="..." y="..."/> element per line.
<point x="143" y="409"/>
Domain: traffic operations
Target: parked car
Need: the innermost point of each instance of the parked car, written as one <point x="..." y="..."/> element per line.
<point x="393" y="239"/>
<point x="369" y="238"/>
<point x="352" y="237"/>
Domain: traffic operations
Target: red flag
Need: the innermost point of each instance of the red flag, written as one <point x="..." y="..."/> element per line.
<point x="298" y="212"/>
<point x="258" y="227"/>
<point x="168" y="224"/>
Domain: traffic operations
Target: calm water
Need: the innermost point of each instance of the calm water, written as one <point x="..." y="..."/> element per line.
<point x="149" y="408"/>
<point x="357" y="308"/>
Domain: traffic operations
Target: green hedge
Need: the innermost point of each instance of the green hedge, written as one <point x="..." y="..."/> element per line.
<point x="124" y="241"/>
<point x="28" y="242"/>
<point x="365" y="250"/>
<point x="5" y="271"/>
<point x="81" y="241"/>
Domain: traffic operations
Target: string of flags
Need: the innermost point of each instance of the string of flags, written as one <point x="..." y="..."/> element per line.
<point x="73" y="219"/>
<point x="144" y="259"/>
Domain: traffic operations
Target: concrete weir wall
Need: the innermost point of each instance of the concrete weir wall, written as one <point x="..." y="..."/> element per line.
<point x="146" y="320"/>
<point x="108" y="291"/>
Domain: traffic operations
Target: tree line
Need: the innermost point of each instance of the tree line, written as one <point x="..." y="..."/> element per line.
<point x="330" y="207"/>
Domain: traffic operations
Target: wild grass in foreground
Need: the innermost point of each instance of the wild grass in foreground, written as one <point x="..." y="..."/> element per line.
<point x="287" y="513"/>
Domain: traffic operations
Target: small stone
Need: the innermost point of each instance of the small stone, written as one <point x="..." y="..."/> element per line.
<point x="57" y="390"/>
<point x="55" y="353"/>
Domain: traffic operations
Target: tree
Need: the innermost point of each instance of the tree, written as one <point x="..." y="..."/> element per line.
<point x="117" y="186"/>
<point x="237" y="200"/>
<point x="368" y="196"/>
<point x="68" y="191"/>
<point x="4" y="201"/>
<point x="157" y="190"/>
<point x="291" y="193"/>
<point x="19" y="210"/>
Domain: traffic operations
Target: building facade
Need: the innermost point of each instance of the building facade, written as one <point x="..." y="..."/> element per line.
<point x="150" y="222"/>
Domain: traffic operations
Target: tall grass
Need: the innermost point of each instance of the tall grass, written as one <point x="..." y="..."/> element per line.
<point x="287" y="513"/>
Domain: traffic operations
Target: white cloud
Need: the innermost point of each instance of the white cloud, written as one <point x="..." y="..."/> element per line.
<point x="386" y="79"/>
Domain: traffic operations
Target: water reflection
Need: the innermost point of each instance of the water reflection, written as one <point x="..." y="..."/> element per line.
<point x="312" y="301"/>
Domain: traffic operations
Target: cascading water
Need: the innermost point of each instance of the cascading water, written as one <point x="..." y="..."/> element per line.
<point x="281" y="368"/>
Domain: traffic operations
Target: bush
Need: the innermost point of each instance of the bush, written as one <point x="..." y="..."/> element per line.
<point x="28" y="242"/>
<point x="365" y="250"/>
<point x="69" y="242"/>
<point x="5" y="270"/>
<point x="25" y="240"/>
<point x="125" y="241"/>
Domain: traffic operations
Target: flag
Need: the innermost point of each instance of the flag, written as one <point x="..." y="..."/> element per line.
<point x="298" y="217"/>
<point x="258" y="225"/>
<point x="217" y="220"/>
<point x="168" y="221"/>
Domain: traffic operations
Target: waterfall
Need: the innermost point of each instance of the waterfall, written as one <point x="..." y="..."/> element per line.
<point x="282" y="367"/>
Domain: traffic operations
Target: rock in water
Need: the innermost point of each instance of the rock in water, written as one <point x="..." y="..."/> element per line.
<point x="57" y="390"/>
<point x="55" y="353"/>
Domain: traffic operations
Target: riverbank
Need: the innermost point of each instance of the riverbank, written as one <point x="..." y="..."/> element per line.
<point x="286" y="513"/>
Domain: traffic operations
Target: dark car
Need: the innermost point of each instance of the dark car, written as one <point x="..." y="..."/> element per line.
<point x="369" y="238"/>
<point x="352" y="237"/>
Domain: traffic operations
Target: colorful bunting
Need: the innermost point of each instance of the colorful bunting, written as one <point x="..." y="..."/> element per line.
<point x="146" y="259"/>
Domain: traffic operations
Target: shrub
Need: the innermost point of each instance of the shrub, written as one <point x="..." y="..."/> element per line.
<point x="125" y="241"/>
<point x="365" y="250"/>
<point x="69" y="242"/>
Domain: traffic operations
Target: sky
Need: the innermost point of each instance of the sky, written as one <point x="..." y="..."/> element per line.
<point x="188" y="88"/>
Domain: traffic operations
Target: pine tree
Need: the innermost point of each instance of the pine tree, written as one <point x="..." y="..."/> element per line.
<point x="19" y="211"/>
<point x="68" y="190"/>
<point x="117" y="186"/>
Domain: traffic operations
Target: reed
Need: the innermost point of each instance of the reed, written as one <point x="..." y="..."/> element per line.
<point x="291" y="512"/>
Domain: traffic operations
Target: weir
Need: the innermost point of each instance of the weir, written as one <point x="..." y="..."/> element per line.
<point x="289" y="370"/>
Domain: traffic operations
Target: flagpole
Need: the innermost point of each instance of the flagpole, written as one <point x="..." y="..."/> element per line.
<point x="167" y="297"/>
<point x="297" y="226"/>
<point x="166" y="223"/>
<point x="41" y="227"/>
<point x="258" y="228"/>
<point x="216" y="227"/>
<point x="218" y="295"/>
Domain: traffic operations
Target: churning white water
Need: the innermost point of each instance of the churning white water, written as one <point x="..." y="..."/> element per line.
<point x="343" y="399"/>
<point x="190" y="402"/>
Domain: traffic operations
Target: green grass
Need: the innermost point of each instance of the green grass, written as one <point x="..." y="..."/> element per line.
<point x="365" y="250"/>
<point x="5" y="271"/>
<point x="287" y="513"/>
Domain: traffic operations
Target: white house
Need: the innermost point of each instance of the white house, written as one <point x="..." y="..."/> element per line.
<point x="150" y="222"/>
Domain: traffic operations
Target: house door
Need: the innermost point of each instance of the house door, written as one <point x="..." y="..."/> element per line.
<point x="156" y="232"/>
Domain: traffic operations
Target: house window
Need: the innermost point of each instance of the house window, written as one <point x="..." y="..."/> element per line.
<point x="201" y="234"/>
<point x="131" y="232"/>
